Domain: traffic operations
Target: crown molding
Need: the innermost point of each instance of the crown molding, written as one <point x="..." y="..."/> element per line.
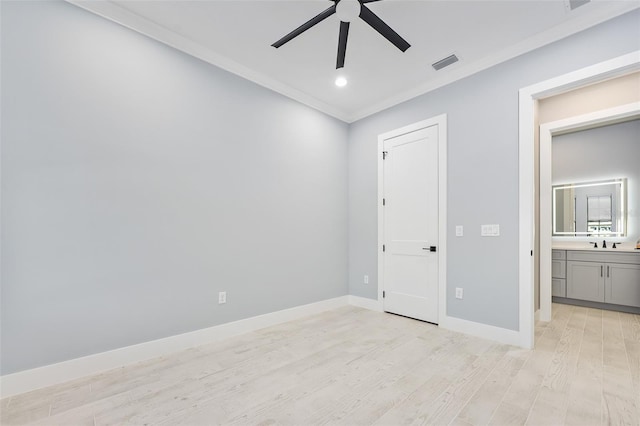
<point x="532" y="43"/>
<point x="135" y="22"/>
<point x="126" y="18"/>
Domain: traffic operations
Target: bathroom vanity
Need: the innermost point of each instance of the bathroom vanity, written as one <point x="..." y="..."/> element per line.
<point x="603" y="278"/>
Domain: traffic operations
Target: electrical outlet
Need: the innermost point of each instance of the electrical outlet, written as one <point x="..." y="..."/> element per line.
<point x="222" y="297"/>
<point x="459" y="293"/>
<point x="366" y="279"/>
<point x="459" y="231"/>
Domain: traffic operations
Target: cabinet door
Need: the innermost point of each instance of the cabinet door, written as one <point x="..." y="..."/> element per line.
<point x="558" y="287"/>
<point x="558" y="268"/>
<point x="558" y="255"/>
<point x="622" y="285"/>
<point x="585" y="281"/>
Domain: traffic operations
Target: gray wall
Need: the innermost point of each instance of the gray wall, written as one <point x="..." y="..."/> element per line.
<point x="607" y="152"/>
<point x="137" y="182"/>
<point x="482" y="115"/>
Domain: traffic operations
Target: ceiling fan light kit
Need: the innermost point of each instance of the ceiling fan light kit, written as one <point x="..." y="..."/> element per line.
<point x="347" y="11"/>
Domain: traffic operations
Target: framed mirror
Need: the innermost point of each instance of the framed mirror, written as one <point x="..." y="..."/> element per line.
<point x="590" y="209"/>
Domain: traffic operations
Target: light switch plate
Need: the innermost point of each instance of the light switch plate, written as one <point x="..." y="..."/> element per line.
<point x="459" y="231"/>
<point x="489" y="230"/>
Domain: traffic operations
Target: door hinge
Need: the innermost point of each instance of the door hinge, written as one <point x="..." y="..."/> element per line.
<point x="383" y="247"/>
<point x="384" y="155"/>
<point x="384" y="294"/>
<point x="384" y="201"/>
<point x="531" y="252"/>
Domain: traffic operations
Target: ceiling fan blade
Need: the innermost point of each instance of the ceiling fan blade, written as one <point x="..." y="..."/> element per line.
<point x="387" y="32"/>
<point x="368" y="1"/>
<point x="304" y="27"/>
<point x="342" y="44"/>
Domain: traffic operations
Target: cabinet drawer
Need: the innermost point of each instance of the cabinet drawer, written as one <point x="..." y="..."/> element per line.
<point x="622" y="286"/>
<point x="558" y="269"/>
<point x="585" y="281"/>
<point x="558" y="254"/>
<point x="604" y="256"/>
<point x="558" y="287"/>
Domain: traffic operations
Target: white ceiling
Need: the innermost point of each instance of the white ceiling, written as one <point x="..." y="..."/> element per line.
<point x="237" y="35"/>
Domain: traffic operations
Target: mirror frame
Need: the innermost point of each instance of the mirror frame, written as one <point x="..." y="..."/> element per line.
<point x="622" y="208"/>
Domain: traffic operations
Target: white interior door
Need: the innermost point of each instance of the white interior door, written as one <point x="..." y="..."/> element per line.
<point x="410" y="224"/>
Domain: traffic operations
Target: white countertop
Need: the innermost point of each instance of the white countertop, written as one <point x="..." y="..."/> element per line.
<point x="626" y="247"/>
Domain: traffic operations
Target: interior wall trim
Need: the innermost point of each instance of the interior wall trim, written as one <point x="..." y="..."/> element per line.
<point x="48" y="375"/>
<point x="366" y="303"/>
<point x="112" y="11"/>
<point x="53" y="374"/>
<point x="485" y="331"/>
<point x="547" y="131"/>
<point x="528" y="96"/>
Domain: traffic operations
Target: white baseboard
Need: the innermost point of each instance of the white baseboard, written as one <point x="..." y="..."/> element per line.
<point x="498" y="334"/>
<point x="28" y="380"/>
<point x="363" y="302"/>
<point x="502" y="335"/>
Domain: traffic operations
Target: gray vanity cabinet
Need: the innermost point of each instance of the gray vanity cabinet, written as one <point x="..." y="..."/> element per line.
<point x="623" y="284"/>
<point x="585" y="281"/>
<point x="558" y="273"/>
<point x="558" y="287"/>
<point x="604" y="277"/>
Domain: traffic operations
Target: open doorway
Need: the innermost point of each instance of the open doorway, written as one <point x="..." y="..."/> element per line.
<point x="568" y="127"/>
<point x="529" y="97"/>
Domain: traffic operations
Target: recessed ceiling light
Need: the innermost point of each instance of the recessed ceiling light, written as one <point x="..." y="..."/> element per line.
<point x="341" y="81"/>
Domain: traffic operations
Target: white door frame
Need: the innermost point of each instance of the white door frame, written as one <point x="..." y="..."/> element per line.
<point x="547" y="131"/>
<point x="528" y="97"/>
<point x="441" y="121"/>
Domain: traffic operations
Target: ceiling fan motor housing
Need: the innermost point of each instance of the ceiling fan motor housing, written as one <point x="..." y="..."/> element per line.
<point x="348" y="10"/>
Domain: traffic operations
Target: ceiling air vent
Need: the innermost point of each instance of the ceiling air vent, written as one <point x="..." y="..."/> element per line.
<point x="574" y="4"/>
<point x="445" y="62"/>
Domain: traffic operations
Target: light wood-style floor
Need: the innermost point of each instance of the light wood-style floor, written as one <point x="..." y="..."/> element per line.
<point x="352" y="366"/>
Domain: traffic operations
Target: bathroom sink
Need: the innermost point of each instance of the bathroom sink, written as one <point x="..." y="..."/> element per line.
<point x="627" y="247"/>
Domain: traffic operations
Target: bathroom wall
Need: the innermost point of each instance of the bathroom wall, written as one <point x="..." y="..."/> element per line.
<point x="583" y="100"/>
<point x="606" y="94"/>
<point x="603" y="153"/>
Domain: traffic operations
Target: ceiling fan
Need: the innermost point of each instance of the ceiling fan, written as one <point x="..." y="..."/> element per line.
<point x="348" y="10"/>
